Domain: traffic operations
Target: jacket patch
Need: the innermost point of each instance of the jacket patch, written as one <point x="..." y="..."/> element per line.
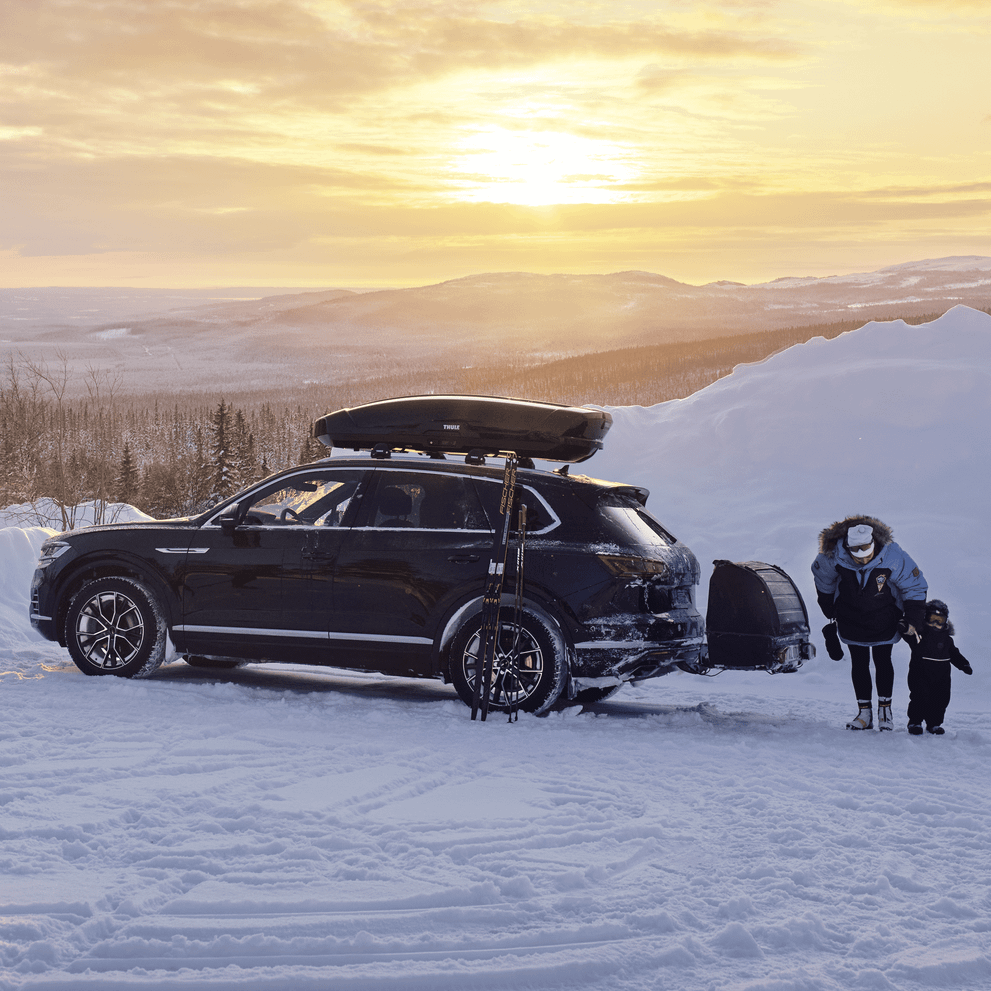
<point x="881" y="579"/>
<point x="916" y="573"/>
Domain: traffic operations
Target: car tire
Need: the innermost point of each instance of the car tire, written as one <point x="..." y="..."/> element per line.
<point x="209" y="661"/>
<point x="116" y="626"/>
<point x="542" y="663"/>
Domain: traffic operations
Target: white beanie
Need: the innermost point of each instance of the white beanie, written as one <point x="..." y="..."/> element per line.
<point x="858" y="536"/>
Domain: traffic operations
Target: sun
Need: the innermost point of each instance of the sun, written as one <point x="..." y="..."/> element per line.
<point x="537" y="168"/>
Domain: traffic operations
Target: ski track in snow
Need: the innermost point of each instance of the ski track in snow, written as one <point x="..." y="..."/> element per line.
<point x="289" y="828"/>
<point x="286" y="831"/>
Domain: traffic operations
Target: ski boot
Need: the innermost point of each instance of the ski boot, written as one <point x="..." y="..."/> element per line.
<point x="864" y="718"/>
<point x="884" y="720"/>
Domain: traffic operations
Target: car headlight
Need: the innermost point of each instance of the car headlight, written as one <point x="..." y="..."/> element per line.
<point x="50" y="550"/>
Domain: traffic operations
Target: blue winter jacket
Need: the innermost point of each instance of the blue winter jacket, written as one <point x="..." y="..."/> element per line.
<point x="868" y="601"/>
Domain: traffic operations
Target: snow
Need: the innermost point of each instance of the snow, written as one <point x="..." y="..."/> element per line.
<point x="278" y="827"/>
<point x="929" y="266"/>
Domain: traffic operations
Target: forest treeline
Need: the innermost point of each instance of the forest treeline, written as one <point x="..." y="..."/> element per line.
<point x="175" y="454"/>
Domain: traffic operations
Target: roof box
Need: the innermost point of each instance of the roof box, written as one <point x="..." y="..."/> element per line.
<point x="465" y="424"/>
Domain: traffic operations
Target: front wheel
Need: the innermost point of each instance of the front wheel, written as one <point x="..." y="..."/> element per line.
<point x="530" y="668"/>
<point x="115" y="626"/>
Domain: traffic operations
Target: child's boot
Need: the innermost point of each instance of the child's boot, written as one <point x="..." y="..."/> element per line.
<point x="884" y="720"/>
<point x="864" y="718"/>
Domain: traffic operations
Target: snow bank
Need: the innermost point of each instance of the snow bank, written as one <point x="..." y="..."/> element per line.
<point x="19" y="547"/>
<point x="46" y="512"/>
<point x="889" y="420"/>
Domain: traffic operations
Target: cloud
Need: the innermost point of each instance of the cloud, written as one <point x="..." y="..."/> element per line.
<point x="246" y="127"/>
<point x="285" y="51"/>
<point x="195" y="205"/>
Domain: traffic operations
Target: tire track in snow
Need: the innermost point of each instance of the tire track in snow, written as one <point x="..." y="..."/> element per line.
<point x="227" y="836"/>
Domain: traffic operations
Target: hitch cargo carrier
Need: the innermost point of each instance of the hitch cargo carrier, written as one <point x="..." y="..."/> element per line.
<point x="463" y="425"/>
<point x="756" y="619"/>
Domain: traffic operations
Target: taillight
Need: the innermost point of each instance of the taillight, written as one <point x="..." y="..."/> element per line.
<point x="627" y="566"/>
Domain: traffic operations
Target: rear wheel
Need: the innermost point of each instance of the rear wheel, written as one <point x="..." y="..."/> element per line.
<point x="530" y="667"/>
<point x="115" y="626"/>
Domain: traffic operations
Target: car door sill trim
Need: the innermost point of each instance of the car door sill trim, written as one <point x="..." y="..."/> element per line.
<point x="307" y="634"/>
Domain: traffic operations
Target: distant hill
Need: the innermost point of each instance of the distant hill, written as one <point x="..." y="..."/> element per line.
<point x="467" y="329"/>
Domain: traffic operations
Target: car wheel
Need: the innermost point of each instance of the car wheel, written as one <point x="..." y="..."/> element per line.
<point x="530" y="667"/>
<point x="209" y="661"/>
<point x="115" y="626"/>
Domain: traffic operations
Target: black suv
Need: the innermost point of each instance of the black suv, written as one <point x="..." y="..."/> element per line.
<point x="381" y="563"/>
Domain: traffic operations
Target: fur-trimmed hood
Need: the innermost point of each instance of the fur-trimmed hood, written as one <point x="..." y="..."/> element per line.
<point x="836" y="532"/>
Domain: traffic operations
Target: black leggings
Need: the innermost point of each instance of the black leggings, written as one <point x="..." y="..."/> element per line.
<point x="884" y="672"/>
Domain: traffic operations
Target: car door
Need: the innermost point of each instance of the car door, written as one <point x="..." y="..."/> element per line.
<point x="420" y="542"/>
<point x="265" y="588"/>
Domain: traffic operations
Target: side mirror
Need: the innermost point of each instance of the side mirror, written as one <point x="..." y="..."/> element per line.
<point x="229" y="521"/>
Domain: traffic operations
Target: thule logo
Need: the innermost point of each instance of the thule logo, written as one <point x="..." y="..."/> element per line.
<point x="452" y="426"/>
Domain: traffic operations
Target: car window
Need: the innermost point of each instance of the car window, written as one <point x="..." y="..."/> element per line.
<point x="633" y="519"/>
<point x="539" y="516"/>
<point x="308" y="499"/>
<point x="424" y="500"/>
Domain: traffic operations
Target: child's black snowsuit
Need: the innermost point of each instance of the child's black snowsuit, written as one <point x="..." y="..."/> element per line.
<point x="933" y="651"/>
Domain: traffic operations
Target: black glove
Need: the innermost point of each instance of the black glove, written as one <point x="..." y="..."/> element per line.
<point x="915" y="612"/>
<point x="962" y="664"/>
<point x="833" y="646"/>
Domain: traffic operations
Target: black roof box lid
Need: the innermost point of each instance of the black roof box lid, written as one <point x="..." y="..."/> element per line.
<point x="462" y="424"/>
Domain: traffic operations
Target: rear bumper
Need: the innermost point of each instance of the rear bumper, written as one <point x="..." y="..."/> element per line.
<point x="636" y="647"/>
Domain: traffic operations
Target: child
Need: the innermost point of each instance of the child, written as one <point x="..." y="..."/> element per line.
<point x="933" y="651"/>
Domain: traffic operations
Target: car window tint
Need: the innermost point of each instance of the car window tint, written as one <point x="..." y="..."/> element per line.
<point x="316" y="499"/>
<point x="634" y="521"/>
<point x="427" y="501"/>
<point x="538" y="517"/>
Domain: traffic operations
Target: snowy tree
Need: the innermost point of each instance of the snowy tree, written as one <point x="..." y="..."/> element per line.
<point x="222" y="463"/>
<point x="128" y="477"/>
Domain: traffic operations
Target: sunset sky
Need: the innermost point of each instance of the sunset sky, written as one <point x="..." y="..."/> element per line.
<point x="369" y="143"/>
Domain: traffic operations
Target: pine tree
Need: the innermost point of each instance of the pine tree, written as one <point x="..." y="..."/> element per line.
<point x="222" y="463"/>
<point x="311" y="450"/>
<point x="128" y="477"/>
<point x="243" y="461"/>
<point x="201" y="475"/>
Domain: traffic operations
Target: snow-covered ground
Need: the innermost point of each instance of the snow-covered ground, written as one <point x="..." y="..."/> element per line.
<point x="286" y="828"/>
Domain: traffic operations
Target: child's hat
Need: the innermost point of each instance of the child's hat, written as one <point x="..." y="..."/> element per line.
<point x="936" y="607"/>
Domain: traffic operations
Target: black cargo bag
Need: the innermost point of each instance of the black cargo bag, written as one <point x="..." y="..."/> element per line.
<point x="756" y="619"/>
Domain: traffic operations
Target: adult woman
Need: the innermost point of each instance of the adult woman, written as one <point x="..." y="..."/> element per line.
<point x="866" y="583"/>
